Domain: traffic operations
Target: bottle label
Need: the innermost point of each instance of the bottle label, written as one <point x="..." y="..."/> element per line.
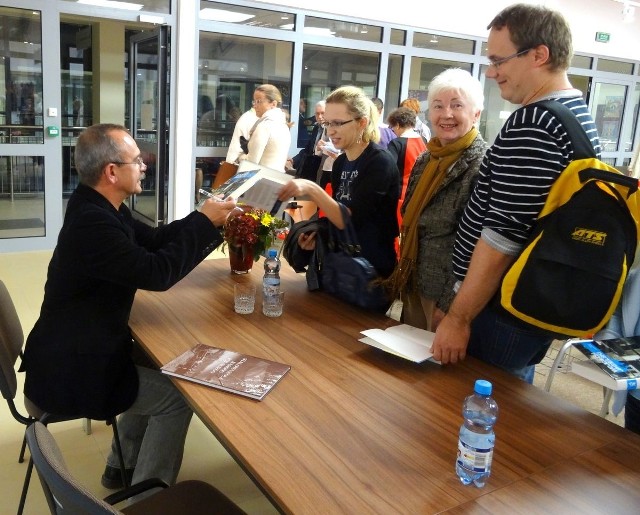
<point x="473" y="458"/>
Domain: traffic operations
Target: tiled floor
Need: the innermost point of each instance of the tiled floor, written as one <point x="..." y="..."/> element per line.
<point x="205" y="459"/>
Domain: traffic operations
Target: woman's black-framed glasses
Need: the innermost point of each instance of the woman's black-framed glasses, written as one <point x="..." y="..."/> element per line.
<point x="335" y="124"/>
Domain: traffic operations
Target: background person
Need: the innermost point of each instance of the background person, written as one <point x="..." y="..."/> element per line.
<point x="420" y="127"/>
<point x="306" y="162"/>
<point x="269" y="138"/>
<point x="529" y="50"/>
<point x="439" y="187"/>
<point x="386" y="134"/>
<point x="242" y="128"/>
<point x="405" y="148"/>
<point x="78" y="356"/>
<point x="364" y="179"/>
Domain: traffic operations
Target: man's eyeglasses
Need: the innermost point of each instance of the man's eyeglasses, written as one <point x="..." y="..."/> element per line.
<point x="335" y="124"/>
<point x="137" y="161"/>
<point x="497" y="62"/>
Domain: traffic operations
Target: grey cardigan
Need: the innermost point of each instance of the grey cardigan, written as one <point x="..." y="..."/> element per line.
<point x="433" y="276"/>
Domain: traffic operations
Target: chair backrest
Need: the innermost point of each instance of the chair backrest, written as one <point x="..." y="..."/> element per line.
<point x="11" y="340"/>
<point x="63" y="493"/>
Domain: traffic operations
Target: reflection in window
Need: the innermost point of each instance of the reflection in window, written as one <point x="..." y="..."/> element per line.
<point x="154" y="6"/>
<point x="21" y="118"/>
<point x="394" y="76"/>
<point x="229" y="69"/>
<point x="342" y="29"/>
<point x="423" y="71"/>
<point x="607" y="111"/>
<point x="581" y="61"/>
<point x="228" y="13"/>
<point x="325" y="69"/>
<point x="21" y="196"/>
<point x="76" y="75"/>
<point x="609" y="65"/>
<point x="438" y="42"/>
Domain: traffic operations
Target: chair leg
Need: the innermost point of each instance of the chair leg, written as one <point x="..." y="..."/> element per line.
<point x="23" y="449"/>
<point x="25" y="487"/>
<point x="116" y="436"/>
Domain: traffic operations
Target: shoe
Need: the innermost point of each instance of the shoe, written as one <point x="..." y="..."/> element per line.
<point x="112" y="479"/>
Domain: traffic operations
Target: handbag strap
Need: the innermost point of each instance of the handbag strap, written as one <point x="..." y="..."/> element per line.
<point x="346" y="238"/>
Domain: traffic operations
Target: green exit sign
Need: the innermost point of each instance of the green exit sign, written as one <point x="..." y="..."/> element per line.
<point x="603" y="37"/>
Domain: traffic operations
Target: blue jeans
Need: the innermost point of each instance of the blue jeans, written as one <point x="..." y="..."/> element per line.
<point x="505" y="343"/>
<point x="153" y="430"/>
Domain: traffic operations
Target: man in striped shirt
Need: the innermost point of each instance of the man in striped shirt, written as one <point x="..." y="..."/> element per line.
<point x="529" y="51"/>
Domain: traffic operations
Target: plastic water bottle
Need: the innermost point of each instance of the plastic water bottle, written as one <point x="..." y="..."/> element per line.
<point x="475" y="445"/>
<point x="271" y="278"/>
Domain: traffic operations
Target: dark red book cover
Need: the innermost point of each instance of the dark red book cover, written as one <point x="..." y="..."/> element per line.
<point x="227" y="370"/>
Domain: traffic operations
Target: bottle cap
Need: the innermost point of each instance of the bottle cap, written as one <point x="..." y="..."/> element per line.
<point x="482" y="387"/>
<point x="273" y="252"/>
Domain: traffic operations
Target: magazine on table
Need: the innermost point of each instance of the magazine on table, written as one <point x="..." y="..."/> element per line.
<point x="227" y="370"/>
<point x="619" y="358"/>
<point x="255" y="185"/>
<point x="402" y="340"/>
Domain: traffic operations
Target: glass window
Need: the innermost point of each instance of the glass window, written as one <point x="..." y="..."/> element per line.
<point x="325" y="69"/>
<point x="154" y="6"/>
<point x="76" y="75"/>
<point x="21" y="118"/>
<point x="496" y="109"/>
<point x="607" y="111"/>
<point x="581" y="61"/>
<point x="21" y="196"/>
<point x="342" y="29"/>
<point x="423" y="70"/>
<point x="228" y="13"/>
<point x="394" y="79"/>
<point x="438" y="42"/>
<point x="229" y="69"/>
<point x="628" y="139"/>
<point x="609" y="65"/>
<point x="398" y="37"/>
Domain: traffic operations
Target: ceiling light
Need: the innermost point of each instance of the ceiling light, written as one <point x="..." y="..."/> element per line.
<point x="434" y="39"/>
<point x="222" y="15"/>
<point x="113" y="4"/>
<point x="318" y="31"/>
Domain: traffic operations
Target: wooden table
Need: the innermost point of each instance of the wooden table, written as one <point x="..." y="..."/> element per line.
<point x="354" y="430"/>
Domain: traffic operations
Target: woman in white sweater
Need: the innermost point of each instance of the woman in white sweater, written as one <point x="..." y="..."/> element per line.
<point x="269" y="138"/>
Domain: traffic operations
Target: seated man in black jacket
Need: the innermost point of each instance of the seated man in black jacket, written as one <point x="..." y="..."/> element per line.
<point x="78" y="356"/>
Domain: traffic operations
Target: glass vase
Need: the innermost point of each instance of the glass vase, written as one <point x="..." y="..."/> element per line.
<point x="241" y="258"/>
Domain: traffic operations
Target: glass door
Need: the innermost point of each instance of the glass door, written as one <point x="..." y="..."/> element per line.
<point x="149" y="124"/>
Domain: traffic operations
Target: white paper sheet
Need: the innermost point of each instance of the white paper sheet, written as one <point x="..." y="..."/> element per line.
<point x="402" y="340"/>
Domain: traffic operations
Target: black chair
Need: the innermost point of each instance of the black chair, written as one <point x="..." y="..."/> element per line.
<point x="65" y="495"/>
<point x="11" y="341"/>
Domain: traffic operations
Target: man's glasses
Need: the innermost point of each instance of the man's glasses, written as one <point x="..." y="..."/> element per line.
<point x="335" y="124"/>
<point x="137" y="161"/>
<point x="497" y="62"/>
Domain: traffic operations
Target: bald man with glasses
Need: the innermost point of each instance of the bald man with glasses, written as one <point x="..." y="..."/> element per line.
<point x="78" y="357"/>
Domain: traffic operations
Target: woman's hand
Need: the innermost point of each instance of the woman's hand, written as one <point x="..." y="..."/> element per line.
<point x="296" y="188"/>
<point x="307" y="240"/>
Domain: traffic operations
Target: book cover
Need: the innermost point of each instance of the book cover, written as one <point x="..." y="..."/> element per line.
<point x="227" y="370"/>
<point x="618" y="357"/>
<point x="257" y="185"/>
<point x="402" y="340"/>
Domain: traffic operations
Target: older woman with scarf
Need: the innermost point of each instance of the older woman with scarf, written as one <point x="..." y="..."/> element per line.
<point x="439" y="187"/>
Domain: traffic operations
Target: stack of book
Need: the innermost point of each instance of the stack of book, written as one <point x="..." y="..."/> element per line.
<point x="613" y="363"/>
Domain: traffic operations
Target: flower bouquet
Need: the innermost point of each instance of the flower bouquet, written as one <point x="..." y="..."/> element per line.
<point x="249" y="233"/>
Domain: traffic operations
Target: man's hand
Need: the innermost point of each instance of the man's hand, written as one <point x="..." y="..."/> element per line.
<point x="218" y="210"/>
<point x="451" y="340"/>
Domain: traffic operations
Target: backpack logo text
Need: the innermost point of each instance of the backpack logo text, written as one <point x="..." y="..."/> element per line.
<point x="589" y="236"/>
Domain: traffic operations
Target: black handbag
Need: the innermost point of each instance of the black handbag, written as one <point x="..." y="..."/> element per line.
<point x="347" y="275"/>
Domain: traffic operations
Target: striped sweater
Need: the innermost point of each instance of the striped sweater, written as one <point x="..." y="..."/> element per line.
<point x="515" y="177"/>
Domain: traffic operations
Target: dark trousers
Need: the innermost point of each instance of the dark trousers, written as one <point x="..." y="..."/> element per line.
<point x="507" y="344"/>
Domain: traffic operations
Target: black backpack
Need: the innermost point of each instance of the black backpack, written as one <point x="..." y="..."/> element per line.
<point x="568" y="279"/>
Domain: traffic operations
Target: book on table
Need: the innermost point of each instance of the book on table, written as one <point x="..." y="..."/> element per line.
<point x="227" y="370"/>
<point x="617" y="358"/>
<point x="402" y="340"/>
<point x="255" y="185"/>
